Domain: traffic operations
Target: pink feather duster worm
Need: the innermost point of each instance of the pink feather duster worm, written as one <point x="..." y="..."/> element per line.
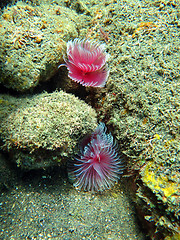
<point x="98" y="165"/>
<point x="86" y="62"/>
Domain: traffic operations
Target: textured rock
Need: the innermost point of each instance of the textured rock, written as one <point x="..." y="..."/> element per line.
<point x="32" y="43"/>
<point x="43" y="130"/>
<point x="141" y="103"/>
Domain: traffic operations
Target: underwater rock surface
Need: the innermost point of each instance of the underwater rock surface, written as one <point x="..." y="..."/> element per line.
<point x="43" y="130"/>
<point x="141" y="102"/>
<point x="32" y="43"/>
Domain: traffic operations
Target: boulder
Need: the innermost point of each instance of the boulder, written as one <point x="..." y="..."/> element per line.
<point x="43" y="130"/>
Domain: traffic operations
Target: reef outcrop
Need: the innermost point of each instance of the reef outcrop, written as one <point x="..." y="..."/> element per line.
<point x="44" y="130"/>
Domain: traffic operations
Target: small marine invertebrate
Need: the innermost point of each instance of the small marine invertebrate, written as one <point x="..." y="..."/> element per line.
<point x="98" y="165"/>
<point x="86" y="62"/>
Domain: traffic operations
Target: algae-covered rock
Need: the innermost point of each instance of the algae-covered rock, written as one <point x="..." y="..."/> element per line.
<point x="43" y="130"/>
<point x="141" y="102"/>
<point x="32" y="42"/>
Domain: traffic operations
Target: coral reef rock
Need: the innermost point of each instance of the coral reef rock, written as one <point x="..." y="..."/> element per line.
<point x="141" y="104"/>
<point x="32" y="43"/>
<point x="43" y="130"/>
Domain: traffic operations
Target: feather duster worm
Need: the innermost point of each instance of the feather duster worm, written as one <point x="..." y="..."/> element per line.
<point x="98" y="165"/>
<point x="86" y="62"/>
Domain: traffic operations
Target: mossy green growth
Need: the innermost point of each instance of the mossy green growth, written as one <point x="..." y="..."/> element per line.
<point x="45" y="128"/>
